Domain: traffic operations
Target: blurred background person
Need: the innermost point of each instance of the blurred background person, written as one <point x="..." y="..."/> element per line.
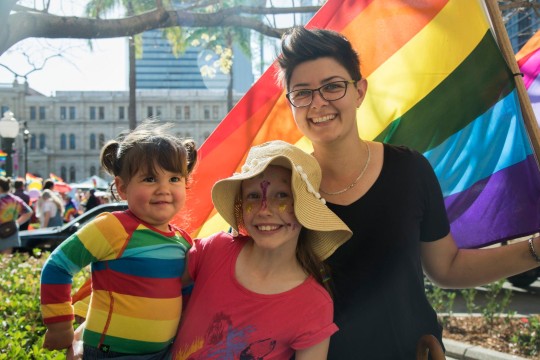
<point x="12" y="208"/>
<point x="20" y="191"/>
<point x="50" y="209"/>
<point x="92" y="200"/>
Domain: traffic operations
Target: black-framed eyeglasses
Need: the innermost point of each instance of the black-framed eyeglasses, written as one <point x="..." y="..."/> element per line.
<point x="330" y="92"/>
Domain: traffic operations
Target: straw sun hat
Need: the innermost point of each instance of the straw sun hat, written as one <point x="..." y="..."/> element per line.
<point x="325" y="230"/>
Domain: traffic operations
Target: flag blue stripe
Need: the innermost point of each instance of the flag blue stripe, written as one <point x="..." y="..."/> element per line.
<point x="492" y="142"/>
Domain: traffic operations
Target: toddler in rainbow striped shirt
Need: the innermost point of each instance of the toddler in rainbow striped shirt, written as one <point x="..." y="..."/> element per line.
<point x="137" y="257"/>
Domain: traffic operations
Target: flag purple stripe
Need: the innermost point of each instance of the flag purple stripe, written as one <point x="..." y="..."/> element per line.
<point x="497" y="206"/>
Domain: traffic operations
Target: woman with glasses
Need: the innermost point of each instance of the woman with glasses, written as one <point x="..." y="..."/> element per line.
<point x="390" y="198"/>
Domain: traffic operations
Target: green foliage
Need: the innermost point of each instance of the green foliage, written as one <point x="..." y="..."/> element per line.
<point x="498" y="300"/>
<point x="469" y="296"/>
<point x="21" y="325"/>
<point x="529" y="336"/>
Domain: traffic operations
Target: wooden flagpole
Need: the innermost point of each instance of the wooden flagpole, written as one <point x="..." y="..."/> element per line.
<point x="506" y="48"/>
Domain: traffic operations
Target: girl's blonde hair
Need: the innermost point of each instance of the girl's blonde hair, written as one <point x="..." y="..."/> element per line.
<point x="49" y="194"/>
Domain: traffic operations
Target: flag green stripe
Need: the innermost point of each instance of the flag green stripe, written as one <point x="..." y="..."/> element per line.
<point x="474" y="87"/>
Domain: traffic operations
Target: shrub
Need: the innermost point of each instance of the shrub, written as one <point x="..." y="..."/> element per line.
<point x="21" y="324"/>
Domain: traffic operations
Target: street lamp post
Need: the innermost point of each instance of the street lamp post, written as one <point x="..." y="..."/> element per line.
<point x="9" y="129"/>
<point x="26" y="137"/>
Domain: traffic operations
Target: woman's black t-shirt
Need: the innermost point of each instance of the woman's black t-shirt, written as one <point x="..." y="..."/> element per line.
<point x="380" y="304"/>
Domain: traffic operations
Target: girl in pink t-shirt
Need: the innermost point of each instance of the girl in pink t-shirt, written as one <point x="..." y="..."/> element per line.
<point x="259" y="293"/>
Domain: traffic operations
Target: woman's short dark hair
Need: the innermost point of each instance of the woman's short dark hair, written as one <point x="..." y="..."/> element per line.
<point x="299" y="45"/>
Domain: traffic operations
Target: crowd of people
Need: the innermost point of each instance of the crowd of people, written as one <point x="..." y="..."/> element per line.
<point x="49" y="208"/>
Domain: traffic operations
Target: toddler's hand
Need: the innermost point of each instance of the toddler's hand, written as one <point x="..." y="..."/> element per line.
<point x="58" y="336"/>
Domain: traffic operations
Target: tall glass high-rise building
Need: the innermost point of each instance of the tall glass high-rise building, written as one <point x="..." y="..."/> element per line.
<point x="521" y="26"/>
<point x="160" y="69"/>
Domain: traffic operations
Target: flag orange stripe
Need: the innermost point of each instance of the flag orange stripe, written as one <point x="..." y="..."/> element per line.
<point x="529" y="48"/>
<point x="335" y="15"/>
<point x="253" y="107"/>
<point x="221" y="161"/>
<point x="385" y="26"/>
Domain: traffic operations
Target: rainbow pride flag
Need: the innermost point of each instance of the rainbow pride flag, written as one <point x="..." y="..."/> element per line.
<point x="33" y="182"/>
<point x="437" y="83"/>
<point x="70" y="211"/>
<point x="528" y="59"/>
<point x="55" y="178"/>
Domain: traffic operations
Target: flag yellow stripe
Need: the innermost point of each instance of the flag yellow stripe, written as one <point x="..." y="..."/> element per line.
<point x="420" y="65"/>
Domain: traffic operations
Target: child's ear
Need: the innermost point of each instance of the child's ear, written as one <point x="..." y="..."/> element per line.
<point x="120" y="187"/>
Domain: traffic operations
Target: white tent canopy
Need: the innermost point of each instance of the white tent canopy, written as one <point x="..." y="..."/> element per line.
<point x="93" y="182"/>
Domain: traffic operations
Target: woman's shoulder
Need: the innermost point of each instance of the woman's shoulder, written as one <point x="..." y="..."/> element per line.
<point x="404" y="156"/>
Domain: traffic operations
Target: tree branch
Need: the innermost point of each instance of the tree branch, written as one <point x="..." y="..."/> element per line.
<point x="26" y="23"/>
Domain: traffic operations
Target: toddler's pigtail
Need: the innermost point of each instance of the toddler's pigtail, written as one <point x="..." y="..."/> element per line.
<point x="108" y="157"/>
<point x="191" y="150"/>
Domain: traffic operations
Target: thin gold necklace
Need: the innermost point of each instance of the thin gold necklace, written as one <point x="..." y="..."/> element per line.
<point x="353" y="184"/>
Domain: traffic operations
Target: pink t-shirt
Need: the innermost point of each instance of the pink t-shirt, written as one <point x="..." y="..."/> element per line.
<point x="223" y="320"/>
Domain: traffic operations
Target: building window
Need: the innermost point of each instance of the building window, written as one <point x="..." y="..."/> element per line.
<point x="187" y="112"/>
<point x="72" y="113"/>
<point x="4" y="109"/>
<point x="42" y="113"/>
<point x="63" y="142"/>
<point x="33" y="113"/>
<point x="92" y="113"/>
<point x="149" y="111"/>
<point x="42" y="142"/>
<point x="188" y="135"/>
<point x="72" y="174"/>
<point x="92" y="170"/>
<point x="206" y="135"/>
<point x="158" y="111"/>
<point x="206" y="112"/>
<point x="101" y="140"/>
<point x="63" y="113"/>
<point x="72" y="141"/>
<point x="101" y="112"/>
<point x="178" y="112"/>
<point x="32" y="142"/>
<point x="92" y="141"/>
<point x="215" y="112"/>
<point x="121" y="112"/>
<point x="63" y="172"/>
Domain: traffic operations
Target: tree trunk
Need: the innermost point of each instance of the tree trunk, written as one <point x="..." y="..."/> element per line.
<point x="132" y="109"/>
<point x="231" y="72"/>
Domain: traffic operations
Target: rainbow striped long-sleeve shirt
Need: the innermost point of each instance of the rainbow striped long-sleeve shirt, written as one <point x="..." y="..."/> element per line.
<point x="136" y="283"/>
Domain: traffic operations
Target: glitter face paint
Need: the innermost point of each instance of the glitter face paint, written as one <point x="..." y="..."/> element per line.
<point x="264" y="189"/>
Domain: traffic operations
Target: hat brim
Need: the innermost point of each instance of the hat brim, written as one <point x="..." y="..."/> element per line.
<point x="326" y="231"/>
